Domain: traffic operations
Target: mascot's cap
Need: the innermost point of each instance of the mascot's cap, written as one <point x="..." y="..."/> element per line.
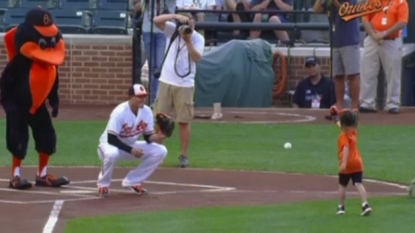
<point x="137" y="90"/>
<point x="42" y="21"/>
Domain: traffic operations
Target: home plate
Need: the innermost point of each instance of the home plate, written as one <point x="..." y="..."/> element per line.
<point x="77" y="191"/>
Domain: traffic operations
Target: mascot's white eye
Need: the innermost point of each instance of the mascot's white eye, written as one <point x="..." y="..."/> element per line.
<point x="53" y="41"/>
<point x="42" y="43"/>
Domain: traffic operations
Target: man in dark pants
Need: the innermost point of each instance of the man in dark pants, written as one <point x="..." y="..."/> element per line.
<point x="315" y="91"/>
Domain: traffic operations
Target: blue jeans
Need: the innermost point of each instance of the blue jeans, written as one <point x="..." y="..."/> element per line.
<point x="159" y="47"/>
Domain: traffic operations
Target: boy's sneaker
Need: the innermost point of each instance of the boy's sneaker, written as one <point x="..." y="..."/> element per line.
<point x="340" y="210"/>
<point x="366" y="210"/>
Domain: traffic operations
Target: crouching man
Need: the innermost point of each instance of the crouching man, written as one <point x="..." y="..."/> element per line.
<point x="128" y="121"/>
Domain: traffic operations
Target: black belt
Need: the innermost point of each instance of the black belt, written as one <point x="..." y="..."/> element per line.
<point x="390" y="38"/>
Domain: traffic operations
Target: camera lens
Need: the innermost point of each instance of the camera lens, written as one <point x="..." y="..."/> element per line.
<point x="188" y="30"/>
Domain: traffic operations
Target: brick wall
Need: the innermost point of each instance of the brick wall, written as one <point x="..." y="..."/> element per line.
<point x="98" y="70"/>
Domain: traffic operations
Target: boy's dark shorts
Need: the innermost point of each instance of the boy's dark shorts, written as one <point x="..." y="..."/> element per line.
<point x="356" y="177"/>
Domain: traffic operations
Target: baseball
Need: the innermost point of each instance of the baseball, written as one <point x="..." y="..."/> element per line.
<point x="287" y="145"/>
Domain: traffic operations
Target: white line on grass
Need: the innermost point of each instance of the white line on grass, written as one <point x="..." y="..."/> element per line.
<point x="77" y="191"/>
<point x="53" y="217"/>
<point x="28" y="191"/>
<point x="305" y="118"/>
<point x="156" y="182"/>
<point x="396" y="185"/>
<point x="315" y="192"/>
<point x="47" y="201"/>
<point x="42" y="192"/>
<point x="224" y="189"/>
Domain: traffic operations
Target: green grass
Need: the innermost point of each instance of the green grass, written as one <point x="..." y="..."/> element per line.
<point x="387" y="150"/>
<point x="390" y="215"/>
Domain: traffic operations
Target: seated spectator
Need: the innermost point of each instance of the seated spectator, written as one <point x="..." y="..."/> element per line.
<point x="315" y="91"/>
<point x="277" y="18"/>
<point x="197" y="4"/>
<point x="236" y="5"/>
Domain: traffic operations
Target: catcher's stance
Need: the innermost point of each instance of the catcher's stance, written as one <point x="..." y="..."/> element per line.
<point x="128" y="121"/>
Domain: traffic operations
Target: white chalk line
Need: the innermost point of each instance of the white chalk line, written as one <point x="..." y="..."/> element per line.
<point x="157" y="183"/>
<point x="53" y="217"/>
<point x="396" y="185"/>
<point x="334" y="193"/>
<point x="48" y="201"/>
<point x="224" y="189"/>
<point x="306" y="118"/>
<point x="80" y="190"/>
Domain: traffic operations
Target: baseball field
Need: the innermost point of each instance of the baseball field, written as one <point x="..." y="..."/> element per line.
<point x="241" y="179"/>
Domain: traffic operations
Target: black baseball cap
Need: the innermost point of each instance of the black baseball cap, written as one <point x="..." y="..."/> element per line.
<point x="42" y="20"/>
<point x="311" y="61"/>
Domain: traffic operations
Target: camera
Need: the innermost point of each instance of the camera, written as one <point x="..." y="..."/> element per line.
<point x="184" y="27"/>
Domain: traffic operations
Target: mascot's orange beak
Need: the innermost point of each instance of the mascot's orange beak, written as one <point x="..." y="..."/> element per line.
<point x="49" y="55"/>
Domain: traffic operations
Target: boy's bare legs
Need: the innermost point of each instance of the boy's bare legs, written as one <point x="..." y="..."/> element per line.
<point x="365" y="205"/>
<point x="342" y="198"/>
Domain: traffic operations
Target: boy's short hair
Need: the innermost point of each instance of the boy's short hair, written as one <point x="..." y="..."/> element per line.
<point x="348" y="118"/>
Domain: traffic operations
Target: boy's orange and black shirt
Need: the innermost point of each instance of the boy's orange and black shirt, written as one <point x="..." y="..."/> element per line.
<point x="348" y="138"/>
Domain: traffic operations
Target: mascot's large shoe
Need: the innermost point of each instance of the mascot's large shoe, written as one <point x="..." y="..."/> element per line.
<point x="19" y="183"/>
<point x="35" y="49"/>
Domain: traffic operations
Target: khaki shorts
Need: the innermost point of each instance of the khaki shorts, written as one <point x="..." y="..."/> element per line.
<point x="179" y="99"/>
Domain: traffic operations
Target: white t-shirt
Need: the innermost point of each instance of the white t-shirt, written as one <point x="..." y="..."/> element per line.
<point x="168" y="72"/>
<point x="198" y="4"/>
<point x="126" y="125"/>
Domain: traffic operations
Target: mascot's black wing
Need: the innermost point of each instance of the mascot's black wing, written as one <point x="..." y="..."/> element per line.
<point x="53" y="96"/>
<point x="8" y="84"/>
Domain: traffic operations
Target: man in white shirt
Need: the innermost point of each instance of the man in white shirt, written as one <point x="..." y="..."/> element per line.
<point x="128" y="121"/>
<point x="176" y="82"/>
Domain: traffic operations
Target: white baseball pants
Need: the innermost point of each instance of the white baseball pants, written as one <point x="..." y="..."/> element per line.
<point x="389" y="54"/>
<point x="109" y="155"/>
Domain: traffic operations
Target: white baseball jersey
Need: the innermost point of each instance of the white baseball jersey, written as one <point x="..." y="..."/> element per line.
<point x="127" y="125"/>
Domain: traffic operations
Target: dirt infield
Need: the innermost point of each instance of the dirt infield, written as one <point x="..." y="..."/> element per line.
<point x="176" y="188"/>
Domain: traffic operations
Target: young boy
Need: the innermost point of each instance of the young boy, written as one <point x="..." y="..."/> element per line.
<point x="350" y="161"/>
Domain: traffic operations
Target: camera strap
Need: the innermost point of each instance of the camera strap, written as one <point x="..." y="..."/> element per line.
<point x="172" y="38"/>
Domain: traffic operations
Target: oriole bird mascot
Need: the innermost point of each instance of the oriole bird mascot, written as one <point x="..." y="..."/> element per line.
<point x="35" y="49"/>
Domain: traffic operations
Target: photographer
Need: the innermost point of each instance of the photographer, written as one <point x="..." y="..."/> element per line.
<point x="176" y="78"/>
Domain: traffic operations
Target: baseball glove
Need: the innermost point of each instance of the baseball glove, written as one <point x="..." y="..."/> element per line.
<point x="164" y="124"/>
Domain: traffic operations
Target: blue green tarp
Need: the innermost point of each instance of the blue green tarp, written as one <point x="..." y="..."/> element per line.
<point x="236" y="74"/>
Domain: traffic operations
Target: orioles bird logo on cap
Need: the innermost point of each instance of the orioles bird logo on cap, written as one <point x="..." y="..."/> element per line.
<point x="46" y="19"/>
<point x="141" y="88"/>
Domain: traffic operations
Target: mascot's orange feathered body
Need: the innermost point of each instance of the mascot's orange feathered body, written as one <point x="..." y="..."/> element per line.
<point x="35" y="49"/>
